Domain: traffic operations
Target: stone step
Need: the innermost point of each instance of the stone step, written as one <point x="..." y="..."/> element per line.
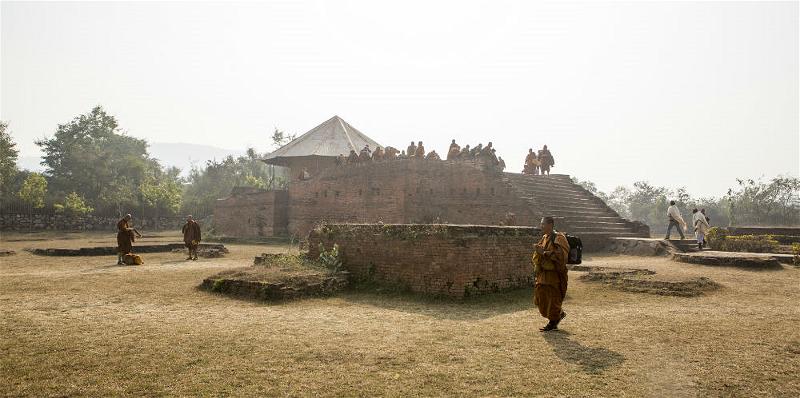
<point x="574" y="211"/>
<point x="598" y="229"/>
<point x="567" y="199"/>
<point x="549" y="187"/>
<point x="685" y="245"/>
<point x="589" y="218"/>
<point x="564" y="199"/>
<point x="541" y="181"/>
<point x="596" y="224"/>
<point x="575" y="207"/>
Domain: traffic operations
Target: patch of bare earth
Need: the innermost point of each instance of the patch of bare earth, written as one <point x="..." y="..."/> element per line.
<point x="83" y="326"/>
<point x="647" y="281"/>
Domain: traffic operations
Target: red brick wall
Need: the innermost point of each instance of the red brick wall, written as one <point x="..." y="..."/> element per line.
<point x="444" y="260"/>
<point x="405" y="191"/>
<point x="252" y="213"/>
<point x="313" y="164"/>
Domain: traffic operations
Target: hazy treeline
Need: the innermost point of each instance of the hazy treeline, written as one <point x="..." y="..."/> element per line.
<point x="775" y="202"/>
<point x="92" y="166"/>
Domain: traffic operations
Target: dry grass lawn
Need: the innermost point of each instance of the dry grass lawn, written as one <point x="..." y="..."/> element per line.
<point x="82" y="326"/>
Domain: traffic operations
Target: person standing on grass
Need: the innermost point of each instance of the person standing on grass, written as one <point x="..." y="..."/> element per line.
<point x="125" y="238"/>
<point x="701" y="227"/>
<point x="675" y="220"/>
<point x="550" y="268"/>
<point x="191" y="236"/>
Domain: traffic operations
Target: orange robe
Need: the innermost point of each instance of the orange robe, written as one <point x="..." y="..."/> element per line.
<point x="124" y="237"/>
<point x="551" y="284"/>
<point x="420" y="152"/>
<point x="191" y="234"/>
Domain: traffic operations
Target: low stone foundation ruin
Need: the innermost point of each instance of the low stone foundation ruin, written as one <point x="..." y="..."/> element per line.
<point x="214" y="249"/>
<point x="646" y="281"/>
<point x="441" y="260"/>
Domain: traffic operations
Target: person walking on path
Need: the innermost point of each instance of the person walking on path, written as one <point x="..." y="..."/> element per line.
<point x="191" y="236"/>
<point x="550" y="267"/>
<point x="701" y="227"/>
<point x="675" y="219"/>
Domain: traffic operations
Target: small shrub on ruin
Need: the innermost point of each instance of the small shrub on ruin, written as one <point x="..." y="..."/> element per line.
<point x="331" y="259"/>
<point x="749" y="243"/>
<point x="715" y="237"/>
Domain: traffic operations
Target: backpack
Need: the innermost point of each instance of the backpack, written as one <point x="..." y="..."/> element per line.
<point x="575" y="248"/>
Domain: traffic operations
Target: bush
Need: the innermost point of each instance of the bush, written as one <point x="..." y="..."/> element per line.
<point x="331" y="259"/>
<point x="796" y="252"/>
<point x="74" y="204"/>
<point x="747" y="243"/>
<point x="715" y="236"/>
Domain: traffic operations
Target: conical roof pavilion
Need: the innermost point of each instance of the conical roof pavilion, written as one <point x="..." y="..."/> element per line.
<point x="329" y="139"/>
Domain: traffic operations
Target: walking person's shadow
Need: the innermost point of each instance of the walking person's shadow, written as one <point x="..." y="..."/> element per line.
<point x="591" y="360"/>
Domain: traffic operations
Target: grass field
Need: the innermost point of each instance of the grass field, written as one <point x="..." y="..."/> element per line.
<point x="82" y="326"/>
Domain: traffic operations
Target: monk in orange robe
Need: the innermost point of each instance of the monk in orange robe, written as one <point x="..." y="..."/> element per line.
<point x="125" y="237"/>
<point x="550" y="267"/>
<point x="191" y="236"/>
<point x="420" y="152"/>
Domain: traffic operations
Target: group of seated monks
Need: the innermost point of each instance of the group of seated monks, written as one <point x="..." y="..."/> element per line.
<point x="479" y="152"/>
<point x="386" y="154"/>
<point x="417" y="151"/>
<point x="540" y="164"/>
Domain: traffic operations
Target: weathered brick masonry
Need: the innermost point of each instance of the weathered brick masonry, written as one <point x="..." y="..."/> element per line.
<point x="250" y="212"/>
<point x="406" y="191"/>
<point x="422" y="192"/>
<point x="446" y="260"/>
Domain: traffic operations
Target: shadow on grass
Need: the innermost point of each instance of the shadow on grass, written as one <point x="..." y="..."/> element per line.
<point x="473" y="308"/>
<point x="592" y="360"/>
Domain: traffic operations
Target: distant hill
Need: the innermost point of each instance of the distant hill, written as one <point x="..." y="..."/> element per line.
<point x="180" y="155"/>
<point x="183" y="156"/>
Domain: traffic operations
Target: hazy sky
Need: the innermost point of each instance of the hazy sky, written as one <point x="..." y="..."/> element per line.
<point x="680" y="94"/>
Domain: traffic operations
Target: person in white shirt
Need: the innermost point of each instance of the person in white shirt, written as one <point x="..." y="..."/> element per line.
<point x="700" y="227"/>
<point x="675" y="219"/>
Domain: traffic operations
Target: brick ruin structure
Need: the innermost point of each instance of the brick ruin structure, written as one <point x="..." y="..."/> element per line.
<point x="441" y="260"/>
<point x="407" y="191"/>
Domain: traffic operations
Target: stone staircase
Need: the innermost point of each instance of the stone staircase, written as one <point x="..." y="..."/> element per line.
<point x="576" y="210"/>
<point x="685" y="245"/>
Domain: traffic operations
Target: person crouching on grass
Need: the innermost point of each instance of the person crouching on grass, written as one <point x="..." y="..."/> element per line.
<point x="191" y="236"/>
<point x="550" y="268"/>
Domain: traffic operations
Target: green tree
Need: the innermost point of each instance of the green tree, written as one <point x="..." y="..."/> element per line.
<point x="756" y="202"/>
<point x="89" y="155"/>
<point x="280" y="138"/>
<point x="218" y="178"/>
<point x="74" y="205"/>
<point x="162" y="190"/>
<point x="33" y="190"/>
<point x="8" y="158"/>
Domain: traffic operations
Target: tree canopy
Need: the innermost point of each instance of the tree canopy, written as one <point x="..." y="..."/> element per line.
<point x="8" y="158"/>
<point x="89" y="155"/>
